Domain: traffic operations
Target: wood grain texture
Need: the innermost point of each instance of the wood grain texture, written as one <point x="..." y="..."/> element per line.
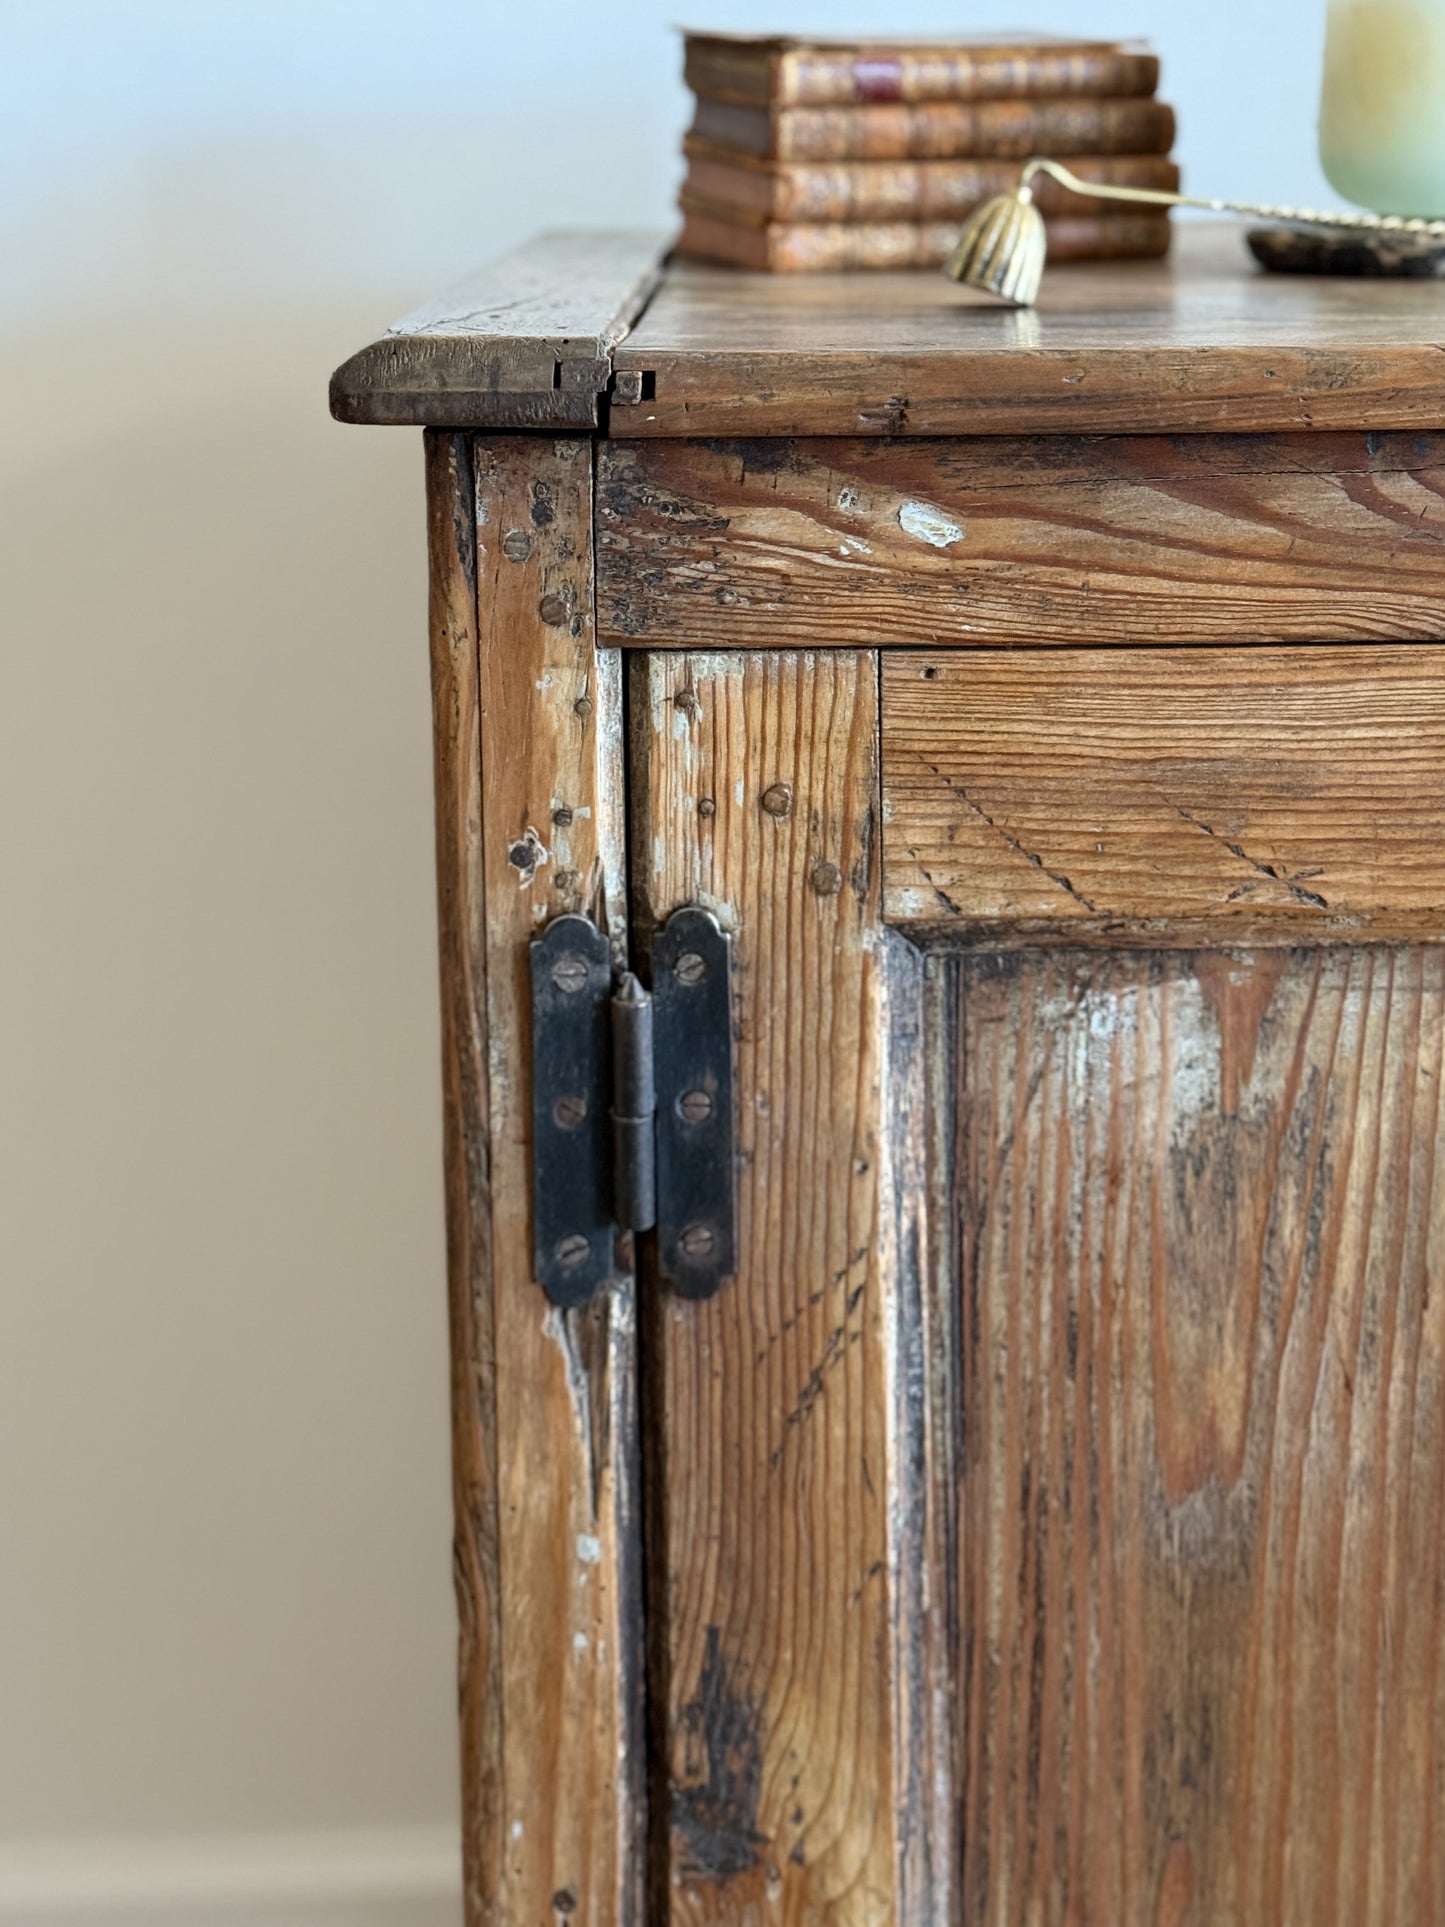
<point x="1263" y="795"/>
<point x="1203" y="341"/>
<point x="530" y="824"/>
<point x="1200" y="1636"/>
<point x="775" y="1395"/>
<point x="526" y="342"/>
<point x="1044" y="540"/>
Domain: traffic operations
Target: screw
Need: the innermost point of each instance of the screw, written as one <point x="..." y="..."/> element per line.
<point x="778" y="799"/>
<point x="686" y="701"/>
<point x="572" y="1251"/>
<point x="564" y="881"/>
<point x="695" y="1106"/>
<point x="690" y="968"/>
<point x="569" y="1111"/>
<point x="570" y="973"/>
<point x="827" y="879"/>
<point x="554" y="611"/>
<point x="516" y="545"/>
<point x="582" y="707"/>
<point x="697" y="1241"/>
<point x="562" y="816"/>
<point x="706" y="806"/>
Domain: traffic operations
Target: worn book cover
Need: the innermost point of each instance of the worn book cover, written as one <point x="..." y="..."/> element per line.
<point x="756" y="70"/>
<point x="756" y="190"/>
<point x="939" y="130"/>
<point x="801" y="247"/>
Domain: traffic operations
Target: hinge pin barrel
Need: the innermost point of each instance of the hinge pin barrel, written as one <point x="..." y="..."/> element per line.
<point x="634" y="1104"/>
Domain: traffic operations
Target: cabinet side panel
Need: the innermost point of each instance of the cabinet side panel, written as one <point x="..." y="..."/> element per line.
<point x="530" y="808"/>
<point x="452" y="552"/>
<point x="1201" y="1224"/>
<point x="760" y="779"/>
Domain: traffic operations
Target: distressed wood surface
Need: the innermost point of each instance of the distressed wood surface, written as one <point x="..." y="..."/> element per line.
<point x="756" y="786"/>
<point x="1199" y="1636"/>
<point x="452" y="555"/>
<point x="1126" y="539"/>
<point x="1201" y="341"/>
<point x="923" y="1462"/>
<point x="1227" y="795"/>
<point x="526" y="342"/>
<point x="548" y="1555"/>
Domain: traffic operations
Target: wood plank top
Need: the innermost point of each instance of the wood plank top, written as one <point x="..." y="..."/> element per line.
<point x="525" y="343"/>
<point x="1202" y="340"/>
<point x="583" y="329"/>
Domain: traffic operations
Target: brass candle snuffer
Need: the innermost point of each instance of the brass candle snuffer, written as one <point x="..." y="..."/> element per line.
<point x="1003" y="244"/>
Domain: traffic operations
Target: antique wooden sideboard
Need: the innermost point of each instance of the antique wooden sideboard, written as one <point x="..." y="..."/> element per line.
<point x="963" y="1439"/>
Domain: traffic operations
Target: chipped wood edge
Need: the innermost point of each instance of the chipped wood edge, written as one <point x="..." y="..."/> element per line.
<point x="455" y="362"/>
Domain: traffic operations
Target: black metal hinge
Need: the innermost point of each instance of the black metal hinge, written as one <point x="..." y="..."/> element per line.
<point x="632" y="1106"/>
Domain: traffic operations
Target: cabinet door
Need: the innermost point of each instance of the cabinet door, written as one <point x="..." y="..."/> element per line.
<point x="1046" y="1521"/>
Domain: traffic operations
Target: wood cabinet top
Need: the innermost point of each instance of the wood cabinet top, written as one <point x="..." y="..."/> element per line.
<point x="596" y="330"/>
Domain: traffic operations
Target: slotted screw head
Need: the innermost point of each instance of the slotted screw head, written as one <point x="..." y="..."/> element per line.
<point x="569" y="1110"/>
<point x="569" y="973"/>
<point x="690" y="968"/>
<point x="697" y="1241"/>
<point x="777" y="799"/>
<point x="695" y="1106"/>
<point x="572" y="1251"/>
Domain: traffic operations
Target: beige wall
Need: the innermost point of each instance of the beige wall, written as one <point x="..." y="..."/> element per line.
<point x="225" y="1599"/>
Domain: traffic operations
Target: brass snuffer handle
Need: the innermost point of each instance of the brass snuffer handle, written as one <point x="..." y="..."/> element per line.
<point x="1002" y="246"/>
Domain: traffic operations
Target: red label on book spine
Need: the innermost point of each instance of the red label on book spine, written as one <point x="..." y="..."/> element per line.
<point x="878" y="78"/>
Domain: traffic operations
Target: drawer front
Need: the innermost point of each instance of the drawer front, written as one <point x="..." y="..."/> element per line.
<point x="1111" y="540"/>
<point x="1174" y="796"/>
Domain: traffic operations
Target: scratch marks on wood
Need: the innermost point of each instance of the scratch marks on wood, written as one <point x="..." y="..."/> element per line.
<point x="1270" y="871"/>
<point x="1031" y="857"/>
<point x="1176" y="796"/>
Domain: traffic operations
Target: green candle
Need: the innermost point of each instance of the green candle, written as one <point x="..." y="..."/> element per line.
<point x="1382" y="113"/>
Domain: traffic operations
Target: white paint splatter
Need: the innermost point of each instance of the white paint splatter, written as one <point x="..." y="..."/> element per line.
<point x="579" y="1642"/>
<point x="854" y="545"/>
<point x="929" y="524"/>
<point x="589" y="1548"/>
<point x="517" y="1829"/>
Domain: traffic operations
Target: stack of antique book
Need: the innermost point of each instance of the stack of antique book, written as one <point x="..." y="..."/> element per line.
<point x="832" y="154"/>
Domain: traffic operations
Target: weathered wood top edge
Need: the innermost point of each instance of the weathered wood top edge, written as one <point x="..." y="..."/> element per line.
<point x="1204" y="341"/>
<point x="1201" y="341"/>
<point x="526" y="342"/>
